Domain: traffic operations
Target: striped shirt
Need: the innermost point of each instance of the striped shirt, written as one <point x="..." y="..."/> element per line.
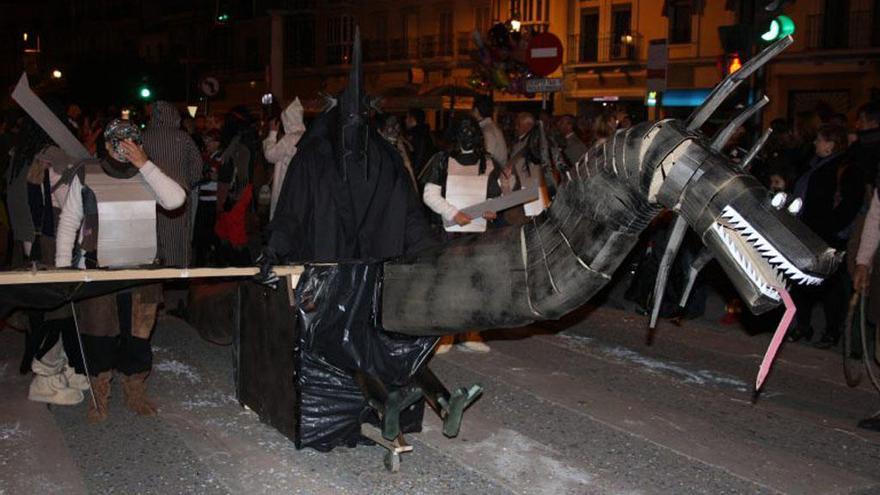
<point x="177" y="155"/>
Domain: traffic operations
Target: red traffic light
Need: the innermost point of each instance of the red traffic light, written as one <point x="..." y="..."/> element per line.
<point x="734" y="63"/>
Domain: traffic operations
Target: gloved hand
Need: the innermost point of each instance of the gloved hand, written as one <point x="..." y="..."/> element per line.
<point x="267" y="261"/>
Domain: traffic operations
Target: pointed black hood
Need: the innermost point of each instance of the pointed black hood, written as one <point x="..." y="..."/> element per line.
<point x="354" y="118"/>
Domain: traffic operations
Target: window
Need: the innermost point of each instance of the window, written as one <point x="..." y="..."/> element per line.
<point x="444" y="46"/>
<point x="483" y="19"/>
<point x="252" y="54"/>
<point x="621" y="33"/>
<point x="376" y="45"/>
<point x="679" y="12"/>
<point x="221" y="48"/>
<point x="300" y="4"/>
<point x="299" y="39"/>
<point x="409" y="44"/>
<point x="836" y="29"/>
<point x="589" y="37"/>
<point x="875" y="33"/>
<point x="340" y="37"/>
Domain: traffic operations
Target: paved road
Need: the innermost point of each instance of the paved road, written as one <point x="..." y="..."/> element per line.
<point x="579" y="407"/>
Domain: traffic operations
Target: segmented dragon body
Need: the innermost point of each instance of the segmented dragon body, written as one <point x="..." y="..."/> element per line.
<point x="543" y="270"/>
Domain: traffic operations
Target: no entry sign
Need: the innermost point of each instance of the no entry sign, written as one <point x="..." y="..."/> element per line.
<point x="544" y="54"/>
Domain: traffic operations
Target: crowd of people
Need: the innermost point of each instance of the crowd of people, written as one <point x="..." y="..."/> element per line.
<point x="217" y="183"/>
<point x="831" y="166"/>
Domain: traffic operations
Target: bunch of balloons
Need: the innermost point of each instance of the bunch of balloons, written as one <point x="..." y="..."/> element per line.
<point x="501" y="60"/>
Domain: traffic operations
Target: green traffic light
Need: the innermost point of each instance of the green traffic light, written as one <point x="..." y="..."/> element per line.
<point x="780" y="27"/>
<point x="223" y="17"/>
<point x="145" y="92"/>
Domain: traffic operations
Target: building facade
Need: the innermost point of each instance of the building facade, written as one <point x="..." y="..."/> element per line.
<point x="418" y="52"/>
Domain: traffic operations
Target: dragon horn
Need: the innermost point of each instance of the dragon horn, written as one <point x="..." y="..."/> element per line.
<point x="726" y="133"/>
<point x="756" y="148"/>
<point x="730" y="83"/>
<point x="675" y="238"/>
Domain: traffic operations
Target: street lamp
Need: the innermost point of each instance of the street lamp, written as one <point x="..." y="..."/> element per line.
<point x="56" y="74"/>
<point x="515" y="24"/>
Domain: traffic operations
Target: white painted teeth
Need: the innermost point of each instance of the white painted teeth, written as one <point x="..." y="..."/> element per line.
<point x="784" y="269"/>
<point x="744" y="263"/>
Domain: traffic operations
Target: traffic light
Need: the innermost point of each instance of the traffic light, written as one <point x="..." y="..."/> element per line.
<point x="734" y="63"/>
<point x="222" y="12"/>
<point x="144" y="92"/>
<point x="779" y="27"/>
<point x="729" y="63"/>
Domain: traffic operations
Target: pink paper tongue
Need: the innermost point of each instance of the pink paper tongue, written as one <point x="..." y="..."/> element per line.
<point x="770" y="355"/>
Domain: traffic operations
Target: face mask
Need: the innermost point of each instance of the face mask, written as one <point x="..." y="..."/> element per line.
<point x="468" y="137"/>
<point x="118" y="131"/>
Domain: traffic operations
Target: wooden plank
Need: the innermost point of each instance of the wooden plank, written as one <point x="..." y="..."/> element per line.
<point x="60" y="276"/>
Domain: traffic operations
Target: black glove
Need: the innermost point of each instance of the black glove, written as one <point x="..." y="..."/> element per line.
<point x="267" y="261"/>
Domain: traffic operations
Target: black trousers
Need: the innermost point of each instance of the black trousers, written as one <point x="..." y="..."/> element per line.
<point x="45" y="334"/>
<point x="205" y="242"/>
<point x="125" y="353"/>
<point x="834" y="296"/>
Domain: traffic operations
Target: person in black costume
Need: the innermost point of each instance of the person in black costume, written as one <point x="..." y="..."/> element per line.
<point x="348" y="199"/>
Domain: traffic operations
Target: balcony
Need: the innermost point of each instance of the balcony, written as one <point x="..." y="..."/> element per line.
<point x="428" y="47"/>
<point x="860" y="33"/>
<point x="604" y="49"/>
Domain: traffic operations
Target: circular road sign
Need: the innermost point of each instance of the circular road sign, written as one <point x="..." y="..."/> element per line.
<point x="544" y="54"/>
<point x="209" y="86"/>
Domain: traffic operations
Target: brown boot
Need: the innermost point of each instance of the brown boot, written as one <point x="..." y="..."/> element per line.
<point x="101" y="391"/>
<point x="134" y="388"/>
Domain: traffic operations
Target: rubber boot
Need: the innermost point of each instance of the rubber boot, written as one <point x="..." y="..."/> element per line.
<point x="101" y="392"/>
<point x="454" y="407"/>
<point x="53" y="389"/>
<point x="395" y="403"/>
<point x="49" y="384"/>
<point x="75" y="380"/>
<point x="134" y="389"/>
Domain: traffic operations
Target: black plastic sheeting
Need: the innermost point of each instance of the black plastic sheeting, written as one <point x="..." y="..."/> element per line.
<point x="51" y="296"/>
<point x="296" y="365"/>
<point x="340" y="335"/>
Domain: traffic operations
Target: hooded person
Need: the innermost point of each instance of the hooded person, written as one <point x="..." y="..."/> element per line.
<point x="449" y="182"/>
<point x="176" y="154"/>
<point x="116" y="327"/>
<point x="465" y="176"/>
<point x="281" y="151"/>
<point x="348" y="198"/>
<point x="239" y="145"/>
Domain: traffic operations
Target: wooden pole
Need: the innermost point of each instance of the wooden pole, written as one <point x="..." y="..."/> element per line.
<point x="61" y="276"/>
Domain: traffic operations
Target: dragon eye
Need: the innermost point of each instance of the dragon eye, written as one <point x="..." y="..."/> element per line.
<point x="778" y="200"/>
<point x="795" y="207"/>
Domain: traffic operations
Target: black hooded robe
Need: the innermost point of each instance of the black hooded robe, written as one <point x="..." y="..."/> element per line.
<point x="322" y="218"/>
<point x="358" y="218"/>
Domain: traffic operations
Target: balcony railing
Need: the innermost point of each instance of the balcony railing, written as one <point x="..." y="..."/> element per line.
<point x="430" y="47"/>
<point x="860" y="33"/>
<point x="586" y="49"/>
